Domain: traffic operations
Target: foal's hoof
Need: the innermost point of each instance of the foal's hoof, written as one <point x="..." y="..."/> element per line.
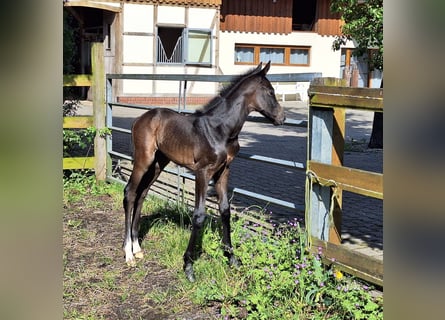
<point x="189" y="273"/>
<point x="139" y="255"/>
<point x="234" y="262"/>
<point x="131" y="262"/>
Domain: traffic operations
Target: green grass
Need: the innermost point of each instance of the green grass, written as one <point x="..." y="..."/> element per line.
<point x="278" y="278"/>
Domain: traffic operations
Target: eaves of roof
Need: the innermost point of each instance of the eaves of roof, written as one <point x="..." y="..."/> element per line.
<point x="195" y="3"/>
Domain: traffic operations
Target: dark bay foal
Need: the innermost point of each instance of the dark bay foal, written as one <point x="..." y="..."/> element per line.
<point x="206" y="143"/>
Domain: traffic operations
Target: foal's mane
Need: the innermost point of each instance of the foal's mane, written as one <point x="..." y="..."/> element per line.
<point x="227" y="90"/>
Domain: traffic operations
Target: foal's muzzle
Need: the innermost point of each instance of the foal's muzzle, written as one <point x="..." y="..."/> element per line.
<point x="279" y="122"/>
<point x="280" y="117"/>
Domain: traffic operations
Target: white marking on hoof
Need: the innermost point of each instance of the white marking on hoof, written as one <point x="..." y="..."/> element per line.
<point x="129" y="258"/>
<point x="139" y="255"/>
<point x="136" y="248"/>
<point x="131" y="262"/>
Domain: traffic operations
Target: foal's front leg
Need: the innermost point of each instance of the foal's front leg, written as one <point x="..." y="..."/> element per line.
<point x="201" y="184"/>
<point x="221" y="183"/>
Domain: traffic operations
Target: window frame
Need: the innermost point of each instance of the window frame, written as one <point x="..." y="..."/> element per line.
<point x="186" y="33"/>
<point x="287" y="53"/>
<point x="185" y="46"/>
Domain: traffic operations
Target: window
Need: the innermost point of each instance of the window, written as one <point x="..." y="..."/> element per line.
<point x="244" y="55"/>
<point x="199" y="46"/>
<point x="178" y="45"/>
<point x="275" y="55"/>
<point x="303" y="15"/>
<point x="356" y="71"/>
<point x="254" y="54"/>
<point x="299" y="56"/>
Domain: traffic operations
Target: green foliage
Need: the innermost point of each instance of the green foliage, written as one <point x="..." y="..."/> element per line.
<point x="81" y="140"/>
<point x="79" y="183"/>
<point x="364" y="24"/>
<point x="78" y="139"/>
<point x="278" y="277"/>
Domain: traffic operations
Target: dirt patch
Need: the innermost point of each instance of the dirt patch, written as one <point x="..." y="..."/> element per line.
<point x="97" y="283"/>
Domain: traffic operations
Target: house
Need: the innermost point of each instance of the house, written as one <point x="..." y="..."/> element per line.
<point x="207" y="37"/>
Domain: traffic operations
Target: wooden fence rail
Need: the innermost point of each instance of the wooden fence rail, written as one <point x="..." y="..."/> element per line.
<point x="97" y="81"/>
<point x="77" y="122"/>
<point x="71" y="163"/>
<point x="327" y="177"/>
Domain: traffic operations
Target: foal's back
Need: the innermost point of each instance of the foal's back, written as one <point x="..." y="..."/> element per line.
<point x="176" y="135"/>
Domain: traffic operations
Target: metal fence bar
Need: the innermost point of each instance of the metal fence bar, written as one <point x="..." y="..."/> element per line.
<point x="268" y="199"/>
<point x="183" y="78"/>
<point x="282" y="77"/>
<point x="118" y="129"/>
<point x="250" y="194"/>
<point x="280" y="162"/>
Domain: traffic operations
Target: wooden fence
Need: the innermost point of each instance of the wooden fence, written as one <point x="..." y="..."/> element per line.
<point x="327" y="177"/>
<point x="97" y="81"/>
<point x="78" y="162"/>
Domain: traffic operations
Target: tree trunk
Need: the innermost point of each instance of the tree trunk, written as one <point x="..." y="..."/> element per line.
<point x="376" y="140"/>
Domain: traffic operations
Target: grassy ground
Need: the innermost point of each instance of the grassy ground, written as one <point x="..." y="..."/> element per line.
<point x="97" y="283"/>
<point x="278" y="279"/>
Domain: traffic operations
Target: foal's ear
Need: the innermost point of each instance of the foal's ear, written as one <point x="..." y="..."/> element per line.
<point x="266" y="68"/>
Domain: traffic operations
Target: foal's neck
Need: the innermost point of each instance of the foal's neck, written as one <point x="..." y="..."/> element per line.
<point x="236" y="116"/>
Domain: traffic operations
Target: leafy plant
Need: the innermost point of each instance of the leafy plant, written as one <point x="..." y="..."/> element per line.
<point x="363" y="23"/>
<point x="75" y="140"/>
<point x="278" y="277"/>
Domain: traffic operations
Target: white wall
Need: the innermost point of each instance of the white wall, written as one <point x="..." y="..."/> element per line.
<point x="170" y="88"/>
<point x="322" y="58"/>
<point x="171" y="15"/>
<point x="138" y="41"/>
<point x="137" y="36"/>
<point x="137" y="18"/>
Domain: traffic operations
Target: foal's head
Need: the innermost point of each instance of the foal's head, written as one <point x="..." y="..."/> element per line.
<point x="260" y="96"/>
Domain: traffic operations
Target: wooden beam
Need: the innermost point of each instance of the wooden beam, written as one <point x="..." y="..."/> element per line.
<point x="99" y="109"/>
<point x="78" y="163"/>
<point x="320" y="149"/>
<point x="365" y="267"/>
<point x="355" y="180"/>
<point x="326" y="145"/>
<point x="79" y="122"/>
<point x="91" y="4"/>
<point x="347" y="97"/>
<point x="338" y="144"/>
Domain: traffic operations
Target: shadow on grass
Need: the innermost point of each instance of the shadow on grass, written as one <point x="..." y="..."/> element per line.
<point x="181" y="216"/>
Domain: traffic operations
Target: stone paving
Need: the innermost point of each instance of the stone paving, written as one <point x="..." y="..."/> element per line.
<point x="362" y="224"/>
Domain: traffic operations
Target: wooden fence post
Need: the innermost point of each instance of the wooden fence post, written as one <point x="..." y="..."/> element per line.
<point x="99" y="109"/>
<point x="326" y="145"/>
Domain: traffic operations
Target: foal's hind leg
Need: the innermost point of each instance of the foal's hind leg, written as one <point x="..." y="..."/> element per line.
<point x="148" y="179"/>
<point x="145" y="171"/>
<point x="132" y="195"/>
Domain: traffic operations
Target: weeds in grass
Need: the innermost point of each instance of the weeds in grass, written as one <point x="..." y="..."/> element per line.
<point x="77" y="184"/>
<point x="278" y="278"/>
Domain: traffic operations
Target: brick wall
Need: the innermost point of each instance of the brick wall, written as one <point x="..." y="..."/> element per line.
<point x="164" y="100"/>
